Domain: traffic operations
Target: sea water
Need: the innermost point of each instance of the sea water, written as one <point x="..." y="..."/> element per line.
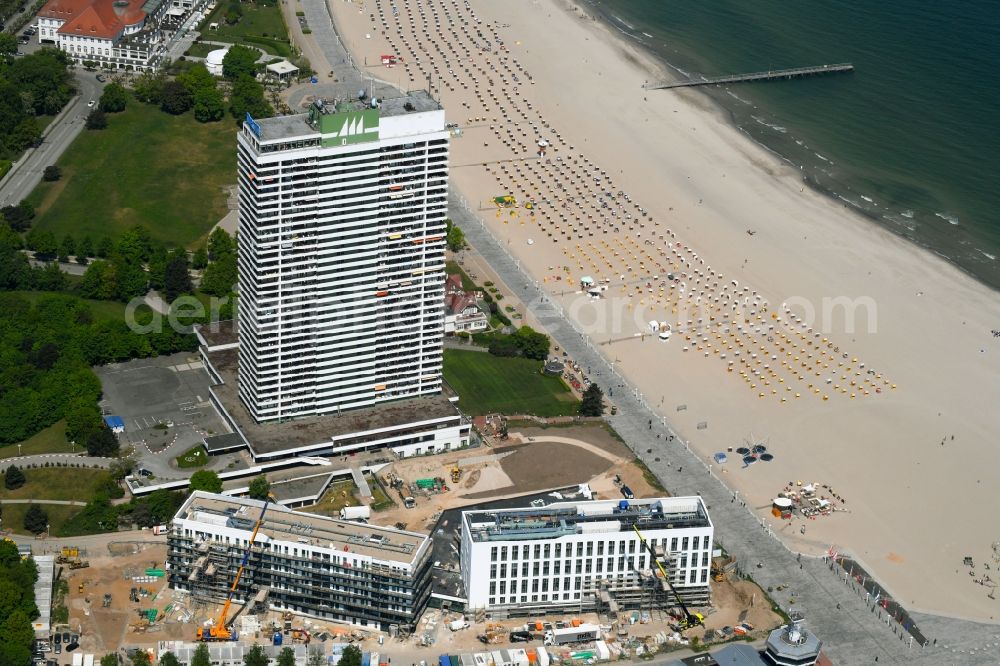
<point x="911" y="138"/>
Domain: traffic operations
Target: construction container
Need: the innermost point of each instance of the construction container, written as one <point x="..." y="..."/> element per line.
<point x="426" y="483"/>
<point x="156" y="573"/>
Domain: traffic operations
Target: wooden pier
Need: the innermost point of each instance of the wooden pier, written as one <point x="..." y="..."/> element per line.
<point x="771" y="75"/>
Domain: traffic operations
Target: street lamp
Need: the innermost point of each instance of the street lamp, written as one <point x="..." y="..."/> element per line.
<point x="18" y="450"/>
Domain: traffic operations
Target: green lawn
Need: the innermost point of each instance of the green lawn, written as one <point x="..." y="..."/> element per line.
<point x="13" y="516"/>
<point x="50" y="440"/>
<point x="194" y="457"/>
<point x="57" y="483"/>
<point x="168" y="173"/>
<point x="199" y="50"/>
<point x="487" y="383"/>
<point x="261" y="25"/>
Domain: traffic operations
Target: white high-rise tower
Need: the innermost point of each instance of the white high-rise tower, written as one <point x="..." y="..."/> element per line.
<point x="341" y="256"/>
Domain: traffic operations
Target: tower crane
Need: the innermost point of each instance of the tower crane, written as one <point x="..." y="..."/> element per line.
<point x="220" y="631"/>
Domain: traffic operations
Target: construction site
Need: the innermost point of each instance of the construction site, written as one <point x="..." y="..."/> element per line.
<point x="384" y="572"/>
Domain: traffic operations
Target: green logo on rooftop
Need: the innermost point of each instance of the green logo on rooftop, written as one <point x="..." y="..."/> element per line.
<point x="345" y="127"/>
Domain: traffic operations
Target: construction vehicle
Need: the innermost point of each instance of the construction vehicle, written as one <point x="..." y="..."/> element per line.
<point x="689" y="619"/>
<point x="456" y="474"/>
<point x="106" y="602"/>
<point x="220" y="630"/>
<point x="70" y="556"/>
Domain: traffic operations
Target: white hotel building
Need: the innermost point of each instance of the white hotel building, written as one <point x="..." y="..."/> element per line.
<point x="573" y="556"/>
<point x="341" y="256"/>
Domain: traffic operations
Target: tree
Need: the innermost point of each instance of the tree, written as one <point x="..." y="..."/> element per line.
<point x="148" y="87"/>
<point x="130" y="279"/>
<point x="207" y="480"/>
<point x="285" y="658"/>
<point x="593" y="401"/>
<point x="103" y="443"/>
<point x="220" y="244"/>
<point x="82" y="420"/>
<point x="8" y="44"/>
<point x="51" y="174"/>
<point x="99" y="281"/>
<point x="96" y="120"/>
<point x="351" y="656"/>
<point x="532" y="344"/>
<point x="247" y="96"/>
<point x="239" y="61"/>
<point x="19" y="217"/>
<point x="141" y="658"/>
<point x="105" y="247"/>
<point x="67" y="247"/>
<point x="175" y="98"/>
<point x="209" y="105"/>
<point x="85" y="249"/>
<point x="196" y="78"/>
<point x="176" y="280"/>
<point x="13" y="478"/>
<point x="201" y="656"/>
<point x="110" y="659"/>
<point x="455" y="237"/>
<point x="260" y="487"/>
<point x="200" y="258"/>
<point x="233" y="13"/>
<point x="36" y="520"/>
<point x="220" y="276"/>
<point x="43" y="243"/>
<point x="113" y="99"/>
<point x="255" y="657"/>
<point x="168" y="659"/>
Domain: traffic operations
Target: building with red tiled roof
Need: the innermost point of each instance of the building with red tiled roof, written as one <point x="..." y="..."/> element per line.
<point x="112" y="34"/>
<point x="462" y="313"/>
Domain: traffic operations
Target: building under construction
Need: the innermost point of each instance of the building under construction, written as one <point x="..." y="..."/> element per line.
<point x="603" y="555"/>
<point x="326" y="568"/>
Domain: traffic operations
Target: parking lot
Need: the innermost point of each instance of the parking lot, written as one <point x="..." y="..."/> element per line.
<point x="164" y="403"/>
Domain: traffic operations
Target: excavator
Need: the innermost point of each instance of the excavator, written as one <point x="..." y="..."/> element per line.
<point x="690" y="619"/>
<point x="220" y="630"/>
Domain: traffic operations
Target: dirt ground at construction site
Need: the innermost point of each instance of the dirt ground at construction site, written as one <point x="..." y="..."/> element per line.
<point x="529" y="461"/>
<point x="733" y="602"/>
<point x="113" y="570"/>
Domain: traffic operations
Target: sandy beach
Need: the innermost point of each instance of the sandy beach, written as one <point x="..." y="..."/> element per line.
<point x="680" y="219"/>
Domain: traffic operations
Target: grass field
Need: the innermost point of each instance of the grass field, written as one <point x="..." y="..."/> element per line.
<point x="487" y="383"/>
<point x="57" y="483"/>
<point x="50" y="440"/>
<point x="261" y="25"/>
<point x="13" y="516"/>
<point x="193" y="457"/>
<point x="168" y="173"/>
<point x="198" y="50"/>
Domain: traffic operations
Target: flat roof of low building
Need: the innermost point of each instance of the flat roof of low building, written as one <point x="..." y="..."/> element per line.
<point x="565" y="518"/>
<point x="317" y="431"/>
<point x="283" y="524"/>
<point x="282" y="67"/>
<point x="43" y="593"/>
<point x="218" y="333"/>
<point x="230" y="441"/>
<point x="287" y="127"/>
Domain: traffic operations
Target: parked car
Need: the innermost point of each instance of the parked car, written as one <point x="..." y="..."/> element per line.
<point x="100" y="77"/>
<point x="520" y="636"/>
<point x="90" y="104"/>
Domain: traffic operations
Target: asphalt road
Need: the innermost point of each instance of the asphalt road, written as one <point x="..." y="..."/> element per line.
<point x="27" y="171"/>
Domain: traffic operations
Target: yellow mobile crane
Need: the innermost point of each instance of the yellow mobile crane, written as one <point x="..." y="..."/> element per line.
<point x="220" y="630"/>
<point x="690" y="619"/>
